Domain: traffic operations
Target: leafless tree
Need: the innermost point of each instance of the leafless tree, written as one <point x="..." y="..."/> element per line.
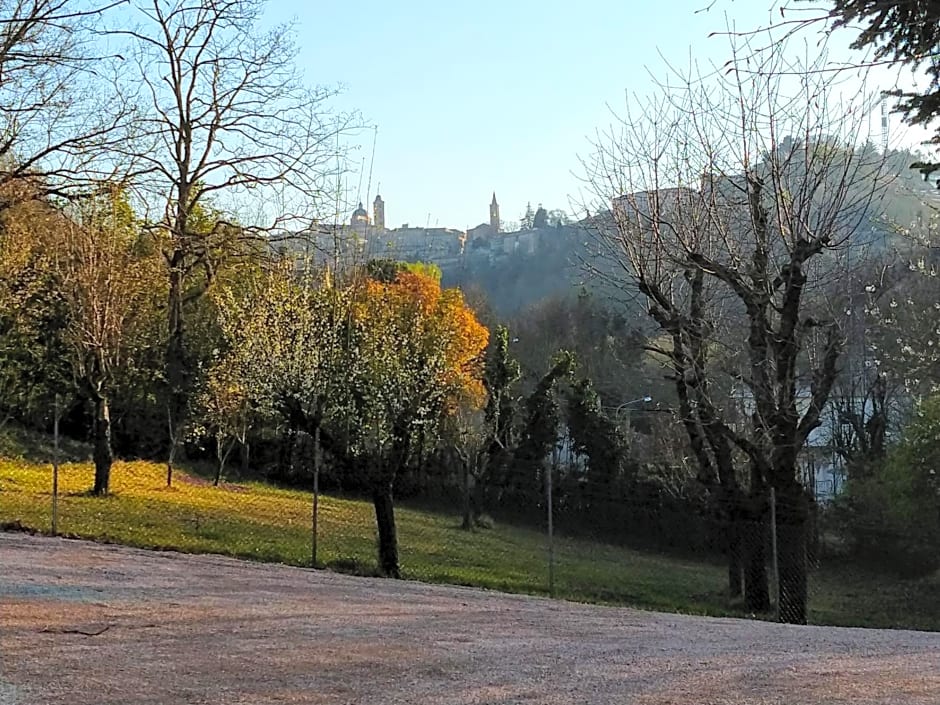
<point x="230" y="128"/>
<point x="60" y="113"/>
<point x="728" y="195"/>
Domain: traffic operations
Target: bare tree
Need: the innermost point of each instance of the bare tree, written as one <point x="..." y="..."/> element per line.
<point x="228" y="119"/>
<point x="729" y="194"/>
<point x="898" y="34"/>
<point x="60" y="115"/>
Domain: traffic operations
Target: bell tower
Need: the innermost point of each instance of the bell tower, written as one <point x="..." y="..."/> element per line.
<point x="494" y="214"/>
<point x="378" y="213"/>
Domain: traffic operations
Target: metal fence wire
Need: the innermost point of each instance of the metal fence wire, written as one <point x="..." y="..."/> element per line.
<point x="560" y="536"/>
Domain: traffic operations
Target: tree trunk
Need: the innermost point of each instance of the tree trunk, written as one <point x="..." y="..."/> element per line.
<point x="175" y="362"/>
<point x="753" y="534"/>
<point x="729" y="515"/>
<point x="385" y="521"/>
<point x="467" y="524"/>
<point x="286" y="454"/>
<point x="220" y="457"/>
<point x="102" y="453"/>
<point x="169" y="465"/>
<point x="174" y="437"/>
<point x="756" y="586"/>
<point x="245" y="456"/>
<point x="792" y="514"/>
<point x="735" y="556"/>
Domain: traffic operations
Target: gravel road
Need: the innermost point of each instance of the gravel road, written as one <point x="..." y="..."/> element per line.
<point x="87" y="623"/>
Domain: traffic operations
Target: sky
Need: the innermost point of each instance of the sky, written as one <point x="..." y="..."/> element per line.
<point x="472" y="98"/>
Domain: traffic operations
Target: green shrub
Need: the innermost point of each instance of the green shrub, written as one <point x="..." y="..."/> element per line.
<point x="891" y="509"/>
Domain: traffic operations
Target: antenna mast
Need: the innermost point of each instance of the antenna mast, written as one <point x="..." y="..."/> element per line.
<point x="375" y="138"/>
<point x="362" y="168"/>
<point x="884" y="122"/>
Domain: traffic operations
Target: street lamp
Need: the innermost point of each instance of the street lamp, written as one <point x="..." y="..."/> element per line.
<point x="645" y="399"/>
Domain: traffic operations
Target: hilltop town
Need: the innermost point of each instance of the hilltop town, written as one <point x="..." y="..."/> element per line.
<point x="365" y="236"/>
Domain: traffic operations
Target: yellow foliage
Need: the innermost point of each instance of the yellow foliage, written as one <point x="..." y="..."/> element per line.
<point x="414" y="311"/>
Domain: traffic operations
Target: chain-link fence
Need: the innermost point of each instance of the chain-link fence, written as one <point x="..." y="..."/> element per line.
<point x="766" y="556"/>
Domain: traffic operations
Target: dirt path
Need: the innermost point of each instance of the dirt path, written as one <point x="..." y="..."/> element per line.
<point x="83" y="623"/>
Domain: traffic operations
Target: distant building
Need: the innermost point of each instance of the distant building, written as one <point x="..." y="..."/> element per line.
<point x="487" y="229"/>
<point x="364" y="238"/>
<point x="541" y="218"/>
<point x="378" y="213"/>
<point x="359" y="221"/>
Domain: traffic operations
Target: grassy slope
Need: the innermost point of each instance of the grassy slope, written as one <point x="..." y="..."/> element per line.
<point x="265" y="523"/>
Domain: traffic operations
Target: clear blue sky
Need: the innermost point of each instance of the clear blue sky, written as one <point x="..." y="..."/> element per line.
<point x="472" y="97"/>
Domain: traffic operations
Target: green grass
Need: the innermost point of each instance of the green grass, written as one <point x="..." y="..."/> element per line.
<point x="257" y="521"/>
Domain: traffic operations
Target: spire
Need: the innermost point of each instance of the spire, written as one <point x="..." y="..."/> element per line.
<point x="494" y="202"/>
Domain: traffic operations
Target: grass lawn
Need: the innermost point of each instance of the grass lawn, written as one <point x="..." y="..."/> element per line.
<point x="257" y="521"/>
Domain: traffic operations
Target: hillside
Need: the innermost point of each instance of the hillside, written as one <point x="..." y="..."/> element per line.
<point x="512" y="280"/>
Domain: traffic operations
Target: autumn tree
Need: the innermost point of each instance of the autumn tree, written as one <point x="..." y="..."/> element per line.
<point x="728" y="195"/>
<point x="227" y="117"/>
<point x="412" y="356"/>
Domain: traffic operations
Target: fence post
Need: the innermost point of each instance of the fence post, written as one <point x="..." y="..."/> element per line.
<point x="316" y="497"/>
<point x="551" y="536"/>
<point x="55" y="468"/>
<point x="773" y="545"/>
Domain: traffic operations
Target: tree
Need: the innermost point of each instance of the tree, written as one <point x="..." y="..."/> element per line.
<point x="894" y="33"/>
<point x="467" y="437"/>
<point x="59" y="118"/>
<point x="905" y="33"/>
<point x="605" y="338"/>
<point x="284" y="336"/>
<point x="225" y="413"/>
<point x="527" y="222"/>
<point x="557" y="218"/>
<point x="722" y="223"/>
<point x="33" y="318"/>
<point x="889" y="513"/>
<point x="102" y="280"/>
<point x="501" y="372"/>
<point x="413" y="354"/>
<point x="596" y="437"/>
<point x="540" y="433"/>
<point x="227" y="116"/>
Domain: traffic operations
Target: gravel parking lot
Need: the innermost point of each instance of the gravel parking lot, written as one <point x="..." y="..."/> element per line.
<point x="88" y="623"/>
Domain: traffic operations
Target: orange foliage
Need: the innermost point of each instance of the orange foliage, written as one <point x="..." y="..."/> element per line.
<point x="425" y="317"/>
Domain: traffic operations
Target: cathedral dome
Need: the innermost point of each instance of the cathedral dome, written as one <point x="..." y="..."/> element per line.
<point x="360" y="215"/>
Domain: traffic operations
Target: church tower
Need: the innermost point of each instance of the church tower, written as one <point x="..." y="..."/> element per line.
<point x="494" y="214"/>
<point x="378" y="213"/>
